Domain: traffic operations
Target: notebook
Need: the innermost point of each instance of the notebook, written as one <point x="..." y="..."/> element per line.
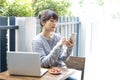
<point x="24" y="63"/>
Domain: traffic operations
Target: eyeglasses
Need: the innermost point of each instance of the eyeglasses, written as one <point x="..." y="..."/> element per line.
<point x="53" y="21"/>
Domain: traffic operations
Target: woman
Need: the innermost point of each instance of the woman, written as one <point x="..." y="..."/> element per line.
<point x="50" y="44"/>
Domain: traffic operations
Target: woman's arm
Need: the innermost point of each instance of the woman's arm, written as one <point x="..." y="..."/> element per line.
<point x="46" y="60"/>
<point x="65" y="53"/>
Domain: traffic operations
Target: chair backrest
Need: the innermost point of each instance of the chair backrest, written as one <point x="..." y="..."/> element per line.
<point x="76" y="63"/>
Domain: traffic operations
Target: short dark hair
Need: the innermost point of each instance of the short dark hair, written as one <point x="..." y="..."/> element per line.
<point x="46" y="15"/>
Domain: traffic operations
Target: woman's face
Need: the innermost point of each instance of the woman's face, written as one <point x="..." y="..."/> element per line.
<point x="50" y="25"/>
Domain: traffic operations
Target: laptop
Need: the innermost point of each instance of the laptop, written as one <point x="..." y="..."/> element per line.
<point x="24" y="63"/>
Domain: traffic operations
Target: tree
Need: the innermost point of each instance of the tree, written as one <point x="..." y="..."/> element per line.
<point x="26" y="8"/>
<point x="60" y="7"/>
<point x="19" y="8"/>
<point x="3" y="4"/>
<point x="100" y="2"/>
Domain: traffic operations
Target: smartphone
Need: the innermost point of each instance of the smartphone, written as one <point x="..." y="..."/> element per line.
<point x="72" y="37"/>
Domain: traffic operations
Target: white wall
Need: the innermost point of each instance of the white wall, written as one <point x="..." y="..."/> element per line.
<point x="25" y="33"/>
<point x="104" y="61"/>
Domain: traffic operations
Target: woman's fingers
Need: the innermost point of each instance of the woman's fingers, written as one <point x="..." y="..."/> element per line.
<point x="69" y="44"/>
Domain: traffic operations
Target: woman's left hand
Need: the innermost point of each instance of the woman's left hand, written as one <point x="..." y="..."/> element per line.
<point x="69" y="43"/>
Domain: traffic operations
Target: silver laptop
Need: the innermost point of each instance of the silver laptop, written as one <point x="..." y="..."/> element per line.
<point x="24" y="63"/>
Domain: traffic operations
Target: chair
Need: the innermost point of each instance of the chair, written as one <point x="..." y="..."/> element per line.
<point x="77" y="63"/>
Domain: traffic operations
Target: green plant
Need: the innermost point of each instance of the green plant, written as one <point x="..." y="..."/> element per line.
<point x="100" y="2"/>
<point x="60" y="7"/>
<point x="81" y="2"/>
<point x="19" y="8"/>
<point x="26" y="8"/>
<point x="3" y="4"/>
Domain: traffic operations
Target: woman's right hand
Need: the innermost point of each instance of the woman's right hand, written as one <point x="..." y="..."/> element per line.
<point x="62" y="41"/>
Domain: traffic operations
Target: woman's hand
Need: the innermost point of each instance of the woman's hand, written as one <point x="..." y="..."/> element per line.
<point x="62" y="41"/>
<point x="69" y="43"/>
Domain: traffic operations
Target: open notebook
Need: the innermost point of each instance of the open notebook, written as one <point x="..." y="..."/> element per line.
<point x="24" y="63"/>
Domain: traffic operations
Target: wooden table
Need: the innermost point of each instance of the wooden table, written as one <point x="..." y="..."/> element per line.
<point x="5" y="76"/>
